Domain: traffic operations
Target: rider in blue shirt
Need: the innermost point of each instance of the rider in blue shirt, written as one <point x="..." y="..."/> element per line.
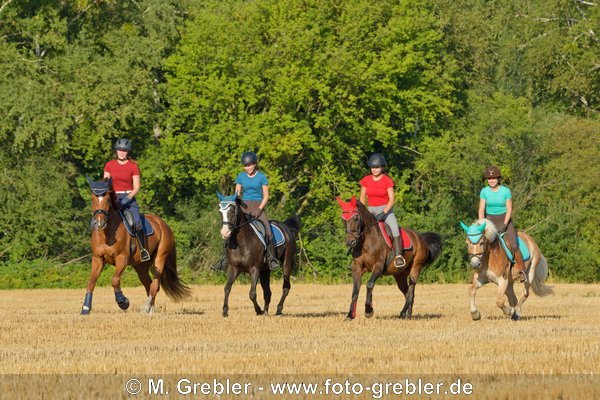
<point x="495" y="203"/>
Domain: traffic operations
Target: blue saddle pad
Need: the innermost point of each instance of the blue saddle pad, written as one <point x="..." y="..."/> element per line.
<point x="523" y="248"/>
<point x="146" y="226"/>
<point x="259" y="229"/>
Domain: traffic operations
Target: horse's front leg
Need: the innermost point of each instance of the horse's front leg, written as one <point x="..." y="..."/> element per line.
<point x="356" y="276"/>
<point x="122" y="301"/>
<point x="232" y="273"/>
<point x="475" y="285"/>
<point x="265" y="275"/>
<point x="500" y="299"/>
<point x="97" y="265"/>
<point x="377" y="272"/>
<point x="254" y="276"/>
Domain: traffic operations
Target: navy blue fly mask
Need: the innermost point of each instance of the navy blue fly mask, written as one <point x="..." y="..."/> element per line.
<point x="100" y="188"/>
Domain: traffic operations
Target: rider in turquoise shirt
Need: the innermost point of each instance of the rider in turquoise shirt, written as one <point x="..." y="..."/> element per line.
<point x="495" y="204"/>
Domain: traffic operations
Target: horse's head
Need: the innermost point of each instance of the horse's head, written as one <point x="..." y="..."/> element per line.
<point x="479" y="237"/>
<point x="101" y="201"/>
<point x="228" y="207"/>
<point x="352" y="221"/>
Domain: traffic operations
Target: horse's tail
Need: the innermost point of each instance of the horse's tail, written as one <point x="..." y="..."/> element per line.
<point x="174" y="287"/>
<point x="540" y="272"/>
<point x="294" y="224"/>
<point x="433" y="241"/>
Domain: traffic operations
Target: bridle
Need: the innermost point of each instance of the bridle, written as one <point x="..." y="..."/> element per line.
<point x="96" y="225"/>
<point x="223" y="209"/>
<point x="484" y="247"/>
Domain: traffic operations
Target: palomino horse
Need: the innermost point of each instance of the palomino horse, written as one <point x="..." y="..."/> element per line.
<point x="110" y="244"/>
<point x="371" y="253"/>
<point x="245" y="252"/>
<point x="491" y="264"/>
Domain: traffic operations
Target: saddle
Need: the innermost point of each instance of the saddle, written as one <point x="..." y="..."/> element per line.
<point x="259" y="228"/>
<point x="387" y="236"/>
<point x="127" y="218"/>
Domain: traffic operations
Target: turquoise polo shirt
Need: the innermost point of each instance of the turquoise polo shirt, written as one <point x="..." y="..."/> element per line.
<point x="252" y="187"/>
<point x="495" y="202"/>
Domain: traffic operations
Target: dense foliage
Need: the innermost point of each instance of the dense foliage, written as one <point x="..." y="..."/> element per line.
<point x="442" y="88"/>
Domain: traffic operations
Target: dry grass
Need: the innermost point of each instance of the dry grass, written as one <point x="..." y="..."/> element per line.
<point x="43" y="333"/>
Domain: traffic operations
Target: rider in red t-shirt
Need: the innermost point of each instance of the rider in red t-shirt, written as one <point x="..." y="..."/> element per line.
<point x="125" y="175"/>
<point x="378" y="189"/>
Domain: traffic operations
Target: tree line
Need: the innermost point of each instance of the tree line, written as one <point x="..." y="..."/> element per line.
<point x="441" y="88"/>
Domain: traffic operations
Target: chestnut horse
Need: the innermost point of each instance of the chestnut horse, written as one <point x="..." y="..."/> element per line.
<point x="246" y="253"/>
<point x="110" y="244"/>
<point x="490" y="263"/>
<point x="371" y="253"/>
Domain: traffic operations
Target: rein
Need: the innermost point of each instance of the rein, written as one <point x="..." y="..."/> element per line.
<point x="362" y="230"/>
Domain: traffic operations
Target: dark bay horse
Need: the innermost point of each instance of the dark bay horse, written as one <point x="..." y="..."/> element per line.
<point x="491" y="264"/>
<point x="110" y="244"/>
<point x="246" y="253"/>
<point x="371" y="253"/>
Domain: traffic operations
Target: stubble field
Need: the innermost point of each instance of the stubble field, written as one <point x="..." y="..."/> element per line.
<point x="552" y="352"/>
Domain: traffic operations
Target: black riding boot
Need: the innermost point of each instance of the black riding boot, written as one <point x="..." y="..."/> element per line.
<point x="271" y="258"/>
<point x="399" y="261"/>
<point x="139" y="233"/>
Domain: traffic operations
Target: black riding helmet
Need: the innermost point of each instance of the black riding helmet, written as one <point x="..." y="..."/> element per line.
<point x="376" y="160"/>
<point x="123" y="144"/>
<point x="249" y="157"/>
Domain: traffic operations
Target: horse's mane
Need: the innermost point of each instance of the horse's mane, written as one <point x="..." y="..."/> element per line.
<point x="491" y="232"/>
<point x="365" y="214"/>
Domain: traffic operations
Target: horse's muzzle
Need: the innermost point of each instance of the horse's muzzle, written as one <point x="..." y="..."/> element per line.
<point x="475" y="262"/>
<point x="225" y="232"/>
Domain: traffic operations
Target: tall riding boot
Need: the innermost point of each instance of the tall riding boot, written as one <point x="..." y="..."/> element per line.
<point x="139" y="233"/>
<point x="271" y="257"/>
<point x="399" y="261"/>
<point x="519" y="267"/>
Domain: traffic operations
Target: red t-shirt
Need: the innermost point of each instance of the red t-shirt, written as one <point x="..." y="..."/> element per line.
<point x="122" y="174"/>
<point x="377" y="190"/>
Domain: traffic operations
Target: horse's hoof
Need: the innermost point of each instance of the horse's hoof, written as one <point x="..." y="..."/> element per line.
<point x="348" y="319"/>
<point x="85" y="311"/>
<point x="369" y="314"/>
<point x="476" y="315"/>
<point x="225" y="315"/>
<point x="124" y="305"/>
<point x="279" y="312"/>
<point x="515" y="317"/>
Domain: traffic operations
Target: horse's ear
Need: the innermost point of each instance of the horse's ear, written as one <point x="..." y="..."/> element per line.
<point x="482" y="227"/>
<point x="353" y="201"/>
<point x="235" y="196"/>
<point x="90" y="181"/>
<point x="340" y="201"/>
<point x="220" y="196"/>
<point x="464" y="226"/>
<point x="110" y="182"/>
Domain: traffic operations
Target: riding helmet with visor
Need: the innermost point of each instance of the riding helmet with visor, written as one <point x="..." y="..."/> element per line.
<point x="376" y="160"/>
<point x="492" y="172"/>
<point x="123" y="144"/>
<point x="249" y="157"/>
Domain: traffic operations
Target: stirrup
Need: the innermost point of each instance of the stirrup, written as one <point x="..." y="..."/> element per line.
<point x="274" y="264"/>
<point x="522" y="277"/>
<point x="144" y="255"/>
<point x="400" y="261"/>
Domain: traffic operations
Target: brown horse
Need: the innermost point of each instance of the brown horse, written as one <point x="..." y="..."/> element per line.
<point x="111" y="242"/>
<point x="245" y="252"/>
<point x="371" y="253"/>
<point x="491" y="263"/>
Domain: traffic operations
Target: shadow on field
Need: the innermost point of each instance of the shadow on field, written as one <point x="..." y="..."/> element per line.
<point x="419" y="317"/>
<point x="188" y="311"/>
<point x="325" y="314"/>
<point x="524" y="317"/>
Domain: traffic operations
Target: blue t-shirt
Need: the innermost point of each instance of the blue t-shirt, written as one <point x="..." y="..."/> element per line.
<point x="495" y="202"/>
<point x="252" y="187"/>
